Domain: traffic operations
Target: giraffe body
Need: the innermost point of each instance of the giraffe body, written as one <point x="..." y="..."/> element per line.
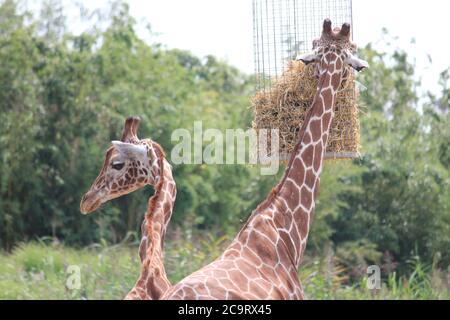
<point x="263" y="260"/>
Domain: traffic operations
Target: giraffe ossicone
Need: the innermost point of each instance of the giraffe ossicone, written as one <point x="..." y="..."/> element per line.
<point x="263" y="260"/>
<point x="131" y="164"/>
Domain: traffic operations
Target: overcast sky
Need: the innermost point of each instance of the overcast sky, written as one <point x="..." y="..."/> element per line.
<point x="224" y="28"/>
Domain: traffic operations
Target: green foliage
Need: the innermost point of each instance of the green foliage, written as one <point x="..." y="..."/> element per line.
<point x="63" y="97"/>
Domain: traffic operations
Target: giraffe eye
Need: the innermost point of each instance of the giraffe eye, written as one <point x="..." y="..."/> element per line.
<point x="118" y="165"/>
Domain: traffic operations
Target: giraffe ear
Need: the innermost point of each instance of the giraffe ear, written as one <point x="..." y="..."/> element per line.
<point x="356" y="63"/>
<point x="129" y="149"/>
<point x="307" y="58"/>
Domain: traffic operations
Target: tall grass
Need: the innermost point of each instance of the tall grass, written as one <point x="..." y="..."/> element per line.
<point x="326" y="278"/>
<point x="39" y="271"/>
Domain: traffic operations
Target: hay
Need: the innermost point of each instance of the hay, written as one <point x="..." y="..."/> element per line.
<point x="284" y="107"/>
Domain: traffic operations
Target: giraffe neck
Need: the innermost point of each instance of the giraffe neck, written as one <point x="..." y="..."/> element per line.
<point x="289" y="208"/>
<point x="298" y="190"/>
<point x="153" y="281"/>
<point x="159" y="212"/>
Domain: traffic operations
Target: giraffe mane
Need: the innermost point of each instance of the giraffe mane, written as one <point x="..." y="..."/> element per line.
<point x="153" y="200"/>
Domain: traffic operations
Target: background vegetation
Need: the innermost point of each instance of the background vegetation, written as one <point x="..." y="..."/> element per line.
<point x="64" y="97"/>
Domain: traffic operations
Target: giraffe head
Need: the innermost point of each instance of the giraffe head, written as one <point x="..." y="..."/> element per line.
<point x="334" y="46"/>
<point x="129" y="164"/>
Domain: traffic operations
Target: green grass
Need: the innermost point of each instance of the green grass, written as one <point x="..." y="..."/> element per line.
<point x="332" y="284"/>
<point x="39" y="271"/>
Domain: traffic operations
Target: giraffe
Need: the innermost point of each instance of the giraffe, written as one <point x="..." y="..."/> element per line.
<point x="131" y="164"/>
<point x="263" y="260"/>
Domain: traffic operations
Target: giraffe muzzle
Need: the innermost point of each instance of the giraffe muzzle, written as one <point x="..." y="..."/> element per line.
<point x="89" y="203"/>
